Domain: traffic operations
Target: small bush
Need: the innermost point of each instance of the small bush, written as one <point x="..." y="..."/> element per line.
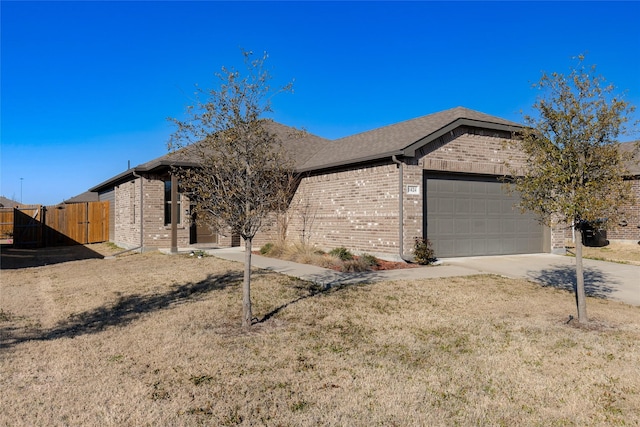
<point x="355" y="265"/>
<point x="369" y="260"/>
<point x="342" y="253"/>
<point x="422" y="251"/>
<point x="268" y="247"/>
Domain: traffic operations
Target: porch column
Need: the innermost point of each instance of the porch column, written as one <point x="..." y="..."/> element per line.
<point x="174" y="214"/>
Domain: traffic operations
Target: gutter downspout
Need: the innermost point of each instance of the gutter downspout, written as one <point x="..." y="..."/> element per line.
<point x="403" y="257"/>
<point x="174" y="214"/>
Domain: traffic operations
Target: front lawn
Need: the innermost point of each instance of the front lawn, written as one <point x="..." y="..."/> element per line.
<point x="626" y="253"/>
<point x="155" y="340"/>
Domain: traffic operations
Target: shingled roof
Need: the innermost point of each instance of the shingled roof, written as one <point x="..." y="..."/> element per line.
<point x="311" y="152"/>
<point x="401" y="139"/>
<point x="301" y="145"/>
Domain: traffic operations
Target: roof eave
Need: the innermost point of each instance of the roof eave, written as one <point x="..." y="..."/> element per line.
<point x="365" y="159"/>
<point x="155" y="166"/>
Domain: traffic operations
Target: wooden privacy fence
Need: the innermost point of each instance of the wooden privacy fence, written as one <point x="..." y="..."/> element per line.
<point x="66" y="224"/>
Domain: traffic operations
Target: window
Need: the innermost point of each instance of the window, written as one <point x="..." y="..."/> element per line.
<point x="167" y="203"/>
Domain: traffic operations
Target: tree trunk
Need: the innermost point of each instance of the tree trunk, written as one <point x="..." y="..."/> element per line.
<point x="580" y="292"/>
<point x="247" y="316"/>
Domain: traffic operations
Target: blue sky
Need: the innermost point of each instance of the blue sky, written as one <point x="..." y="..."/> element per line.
<point x="86" y="87"/>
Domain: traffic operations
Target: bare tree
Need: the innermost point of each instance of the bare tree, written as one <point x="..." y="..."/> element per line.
<point x="574" y="171"/>
<point x="243" y="173"/>
<point x="307" y="213"/>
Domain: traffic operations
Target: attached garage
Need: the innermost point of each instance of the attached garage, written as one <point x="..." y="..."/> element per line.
<point x="469" y="216"/>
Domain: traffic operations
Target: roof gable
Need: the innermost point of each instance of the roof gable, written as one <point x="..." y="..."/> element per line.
<point x="402" y="138"/>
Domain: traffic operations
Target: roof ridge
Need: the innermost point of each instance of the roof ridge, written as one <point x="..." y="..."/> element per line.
<point x="458" y="112"/>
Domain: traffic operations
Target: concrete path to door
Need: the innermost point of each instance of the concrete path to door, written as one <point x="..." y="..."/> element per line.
<point x="614" y="281"/>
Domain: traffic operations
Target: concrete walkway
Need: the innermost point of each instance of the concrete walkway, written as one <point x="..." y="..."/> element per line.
<point x="614" y="281"/>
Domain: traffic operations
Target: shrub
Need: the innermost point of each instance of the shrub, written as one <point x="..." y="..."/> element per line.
<point x="369" y="260"/>
<point x="342" y="253"/>
<point x="422" y="251"/>
<point x="355" y="265"/>
<point x="266" y="248"/>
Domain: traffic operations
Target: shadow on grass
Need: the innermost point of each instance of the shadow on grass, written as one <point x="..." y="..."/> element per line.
<point x="124" y="311"/>
<point x="597" y="284"/>
<point x="14" y="258"/>
<point x="325" y="283"/>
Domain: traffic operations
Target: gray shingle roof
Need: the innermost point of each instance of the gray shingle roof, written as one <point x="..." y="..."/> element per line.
<point x="8" y="203"/>
<point x="87" y="196"/>
<point x="400" y="138"/>
<point x="300" y="144"/>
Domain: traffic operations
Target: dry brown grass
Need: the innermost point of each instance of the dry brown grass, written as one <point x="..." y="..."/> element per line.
<point x="622" y="252"/>
<point x="155" y="340"/>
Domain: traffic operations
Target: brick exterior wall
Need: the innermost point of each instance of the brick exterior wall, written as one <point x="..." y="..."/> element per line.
<point x="562" y="234"/>
<point x="357" y="207"/>
<point x="471" y="150"/>
<point x="127" y="215"/>
<point x="353" y="207"/>
<point x="631" y="231"/>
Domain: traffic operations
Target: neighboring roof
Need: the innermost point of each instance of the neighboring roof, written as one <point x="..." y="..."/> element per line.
<point x="87" y="196"/>
<point x="633" y="166"/>
<point x="8" y="203"/>
<point x="401" y="139"/>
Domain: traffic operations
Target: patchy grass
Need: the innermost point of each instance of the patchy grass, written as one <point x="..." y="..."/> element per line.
<point x="155" y="340"/>
<point x="624" y="253"/>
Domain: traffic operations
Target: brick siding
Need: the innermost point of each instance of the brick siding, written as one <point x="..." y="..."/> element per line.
<point x="357" y="207"/>
<point x="127" y="212"/>
<point x="353" y="207"/>
<point x="630" y="231"/>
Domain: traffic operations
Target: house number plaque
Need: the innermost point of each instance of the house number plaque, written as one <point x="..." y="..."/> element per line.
<point x="413" y="190"/>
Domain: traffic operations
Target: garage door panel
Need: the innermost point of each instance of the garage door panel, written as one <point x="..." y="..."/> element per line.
<point x="494" y="226"/>
<point x="477" y="246"/>
<point x="445" y="226"/>
<point x="447" y="206"/>
<point x="494" y="246"/>
<point x="473" y="216"/>
<point x="479" y="226"/>
<point x="462" y="206"/>
<point x="494" y="208"/>
<point x="461" y="226"/>
<point x="509" y="226"/>
<point x="447" y="245"/>
<point x="479" y="207"/>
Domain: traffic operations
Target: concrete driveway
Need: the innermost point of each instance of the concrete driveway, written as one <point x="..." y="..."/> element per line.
<point x="610" y="280"/>
<point x="619" y="282"/>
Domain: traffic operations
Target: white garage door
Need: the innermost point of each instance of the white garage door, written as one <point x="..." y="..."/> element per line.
<point x="475" y="216"/>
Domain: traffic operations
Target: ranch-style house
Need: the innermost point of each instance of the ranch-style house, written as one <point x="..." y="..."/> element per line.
<point x="436" y="176"/>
